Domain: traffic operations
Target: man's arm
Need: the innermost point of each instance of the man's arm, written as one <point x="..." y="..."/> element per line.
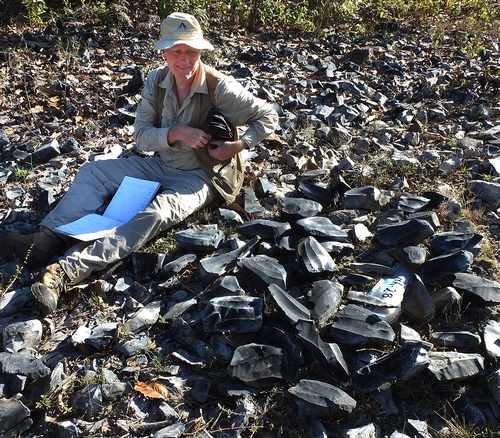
<point x="242" y="108"/>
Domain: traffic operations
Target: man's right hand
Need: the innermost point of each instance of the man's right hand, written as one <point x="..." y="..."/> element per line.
<point x="196" y="138"/>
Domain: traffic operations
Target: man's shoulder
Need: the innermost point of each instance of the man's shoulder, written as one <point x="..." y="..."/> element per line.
<point x="211" y="71"/>
<point x="158" y="74"/>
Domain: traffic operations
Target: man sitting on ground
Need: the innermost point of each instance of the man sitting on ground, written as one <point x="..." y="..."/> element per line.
<point x="193" y="170"/>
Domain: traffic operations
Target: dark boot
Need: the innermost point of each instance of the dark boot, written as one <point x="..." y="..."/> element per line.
<point x="47" y="291"/>
<point x="36" y="249"/>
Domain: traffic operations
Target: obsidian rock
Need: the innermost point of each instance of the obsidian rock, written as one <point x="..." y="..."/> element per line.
<point x="358" y="327"/>
<point x="322" y="227"/>
<point x="265" y="229"/>
<point x="437" y="268"/>
<point x="326" y="296"/>
<point x="482" y="288"/>
<point x="400" y="365"/>
<point x="262" y="270"/>
<point x="455" y="366"/>
<point x="300" y="208"/>
<point x="329" y="354"/>
<point x="254" y="362"/>
<point x="404" y="233"/>
<point x="449" y="242"/>
<point x="204" y="238"/>
<point x="315" y="257"/>
<point x="292" y="309"/>
<point x="235" y="314"/>
<point x="322" y="400"/>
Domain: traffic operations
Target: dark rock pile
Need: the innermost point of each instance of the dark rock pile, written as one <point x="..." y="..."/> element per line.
<point x="353" y="291"/>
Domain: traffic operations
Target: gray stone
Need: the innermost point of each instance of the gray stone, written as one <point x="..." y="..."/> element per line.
<point x="300" y="207"/>
<point x="451" y="241"/>
<point x="233" y="314"/>
<point x="454" y="366"/>
<point x="319" y="399"/>
<point x="262" y="271"/>
<point x="402" y="364"/>
<point x="137" y="345"/>
<point x="253" y="362"/>
<point x="24" y="364"/>
<point x="65" y="429"/>
<point x="410" y="203"/>
<point x="494" y="385"/>
<point x="370" y="430"/>
<point x="461" y="340"/>
<point x="172" y="431"/>
<point x="482" y="288"/>
<point x="404" y="233"/>
<point x="489" y="192"/>
<point x="252" y="204"/>
<point x="362" y="198"/>
<point x="230" y="216"/>
<point x="315" y="257"/>
<point x="327" y="352"/>
<point x="358" y="327"/>
<point x="413" y="256"/>
<point x="417" y="303"/>
<point x="102" y="335"/>
<point x="407" y="334"/>
<point x="343" y="217"/>
<point x="223" y="286"/>
<point x="200" y="238"/>
<point x="292" y="309"/>
<point x="88" y="401"/>
<point x="178" y="309"/>
<point x="22" y="335"/>
<point x="492" y="339"/>
<point x="494" y="164"/>
<point x="266" y="229"/>
<point x="326" y="296"/>
<point x="361" y="233"/>
<point x="339" y="136"/>
<point x="429" y="216"/>
<point x="436" y="269"/>
<point x="45" y="153"/>
<point x="447" y="300"/>
<point x="15" y="418"/>
<point x="143" y="318"/>
<point x="322" y="227"/>
<point x="13" y="302"/>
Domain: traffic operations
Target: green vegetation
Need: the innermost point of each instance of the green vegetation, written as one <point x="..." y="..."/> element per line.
<point x="472" y="17"/>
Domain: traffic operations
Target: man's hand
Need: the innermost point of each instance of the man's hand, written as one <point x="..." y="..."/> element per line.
<point x="196" y="138"/>
<point x="224" y="150"/>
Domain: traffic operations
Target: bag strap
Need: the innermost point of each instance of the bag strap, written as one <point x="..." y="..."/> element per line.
<point x="162" y="74"/>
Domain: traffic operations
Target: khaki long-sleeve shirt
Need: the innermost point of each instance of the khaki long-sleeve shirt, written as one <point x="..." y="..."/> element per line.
<point x="237" y="104"/>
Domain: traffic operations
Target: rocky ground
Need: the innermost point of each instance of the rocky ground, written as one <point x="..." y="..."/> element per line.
<point x="352" y="291"/>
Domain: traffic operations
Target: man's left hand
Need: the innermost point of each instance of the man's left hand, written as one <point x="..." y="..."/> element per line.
<point x="224" y="150"/>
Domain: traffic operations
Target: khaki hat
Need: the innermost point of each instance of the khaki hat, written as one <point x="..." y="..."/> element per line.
<point x="179" y="28"/>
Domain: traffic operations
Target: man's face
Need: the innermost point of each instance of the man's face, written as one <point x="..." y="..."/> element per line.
<point x="183" y="61"/>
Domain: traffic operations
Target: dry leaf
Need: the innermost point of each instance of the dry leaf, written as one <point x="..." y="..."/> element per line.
<point x="54" y="101"/>
<point x="36" y="109"/>
<point x="152" y="390"/>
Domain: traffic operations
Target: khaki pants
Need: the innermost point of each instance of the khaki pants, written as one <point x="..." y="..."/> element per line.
<point x="182" y="192"/>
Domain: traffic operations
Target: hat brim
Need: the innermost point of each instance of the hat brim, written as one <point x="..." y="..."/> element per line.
<point x="200" y="44"/>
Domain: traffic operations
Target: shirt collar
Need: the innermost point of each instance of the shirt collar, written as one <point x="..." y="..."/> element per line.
<point x="199" y="84"/>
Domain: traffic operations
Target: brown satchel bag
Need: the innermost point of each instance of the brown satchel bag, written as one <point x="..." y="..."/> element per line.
<point x="226" y="177"/>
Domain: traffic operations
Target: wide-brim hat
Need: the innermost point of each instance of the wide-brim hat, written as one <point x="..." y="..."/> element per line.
<point x="180" y="28"/>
